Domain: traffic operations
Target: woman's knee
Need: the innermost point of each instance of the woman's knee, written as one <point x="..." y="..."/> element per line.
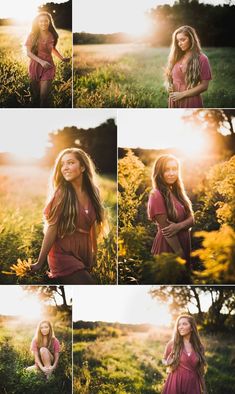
<point x="43" y="351"/>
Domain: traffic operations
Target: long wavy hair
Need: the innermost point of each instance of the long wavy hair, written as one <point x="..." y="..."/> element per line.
<point x="178" y="345"/>
<point x="50" y="337"/>
<point x="192" y="75"/>
<point x="35" y="31"/>
<point x="177" y="189"/>
<point x="67" y="201"/>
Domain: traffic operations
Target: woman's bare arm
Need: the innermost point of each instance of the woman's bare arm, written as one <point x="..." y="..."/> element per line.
<point x="173" y="241"/>
<point x="48" y="241"/>
<point x="56" y="360"/>
<point x="173" y="228"/>
<point x="58" y="54"/>
<point x="202" y="87"/>
<point x="38" y="361"/>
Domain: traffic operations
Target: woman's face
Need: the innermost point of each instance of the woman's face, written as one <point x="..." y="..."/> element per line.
<point x="43" y="22"/>
<point x="183" y="41"/>
<point x="44" y="328"/>
<point x="170" y="173"/>
<point x="71" y="167"/>
<point x="184" y="327"/>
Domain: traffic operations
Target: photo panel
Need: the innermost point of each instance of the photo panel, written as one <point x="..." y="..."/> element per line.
<point x="36" y="54"/>
<point x="176" y="196"/>
<point x="36" y="339"/>
<point x="153" y="54"/>
<point x="152" y="339"/>
<point x="58" y="197"/>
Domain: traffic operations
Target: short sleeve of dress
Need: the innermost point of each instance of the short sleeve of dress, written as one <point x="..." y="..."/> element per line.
<point x="205" y="69"/>
<point x="29" y="41"/>
<point x="34" y="346"/>
<point x="156" y="204"/>
<point x="53" y="208"/>
<point x="168" y="350"/>
<point x="56" y="346"/>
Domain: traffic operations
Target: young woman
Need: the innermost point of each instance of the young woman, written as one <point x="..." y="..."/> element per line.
<point x="188" y="70"/>
<point x="184" y="356"/>
<point x="45" y="347"/>
<point x="41" y="44"/>
<point x="170" y="208"/>
<point x="72" y="216"/>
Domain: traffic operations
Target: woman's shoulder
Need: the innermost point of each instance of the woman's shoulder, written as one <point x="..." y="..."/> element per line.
<point x="170" y="344"/>
<point x="155" y="193"/>
<point x="202" y="57"/>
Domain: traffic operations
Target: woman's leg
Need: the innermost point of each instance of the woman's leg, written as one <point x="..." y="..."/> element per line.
<point x="46" y="358"/>
<point x="45" y="89"/>
<point x="32" y="368"/>
<point x="35" y="92"/>
<point x="81" y="277"/>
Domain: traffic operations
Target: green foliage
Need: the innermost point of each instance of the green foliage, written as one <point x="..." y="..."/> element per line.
<point x="165" y="268"/>
<point x="217" y="255"/>
<point x="130" y="76"/>
<point x="218" y="197"/>
<point x="23" y="195"/>
<point x="14" y="79"/>
<point x="131" y="362"/>
<point x="15" y="357"/>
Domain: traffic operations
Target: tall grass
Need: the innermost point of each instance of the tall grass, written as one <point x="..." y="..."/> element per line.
<point x="14" y="79"/>
<point x="126" y="362"/>
<point x="15" y="356"/>
<point x="23" y="192"/>
<point x="130" y="75"/>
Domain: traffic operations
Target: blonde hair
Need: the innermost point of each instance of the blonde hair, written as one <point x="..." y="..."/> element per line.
<point x="35" y="31"/>
<point x="193" y="66"/>
<point x="50" y="337"/>
<point x="67" y="201"/>
<point x="178" y="190"/>
<point x="177" y="345"/>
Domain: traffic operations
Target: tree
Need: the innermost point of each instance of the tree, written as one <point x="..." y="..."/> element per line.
<point x="99" y="142"/>
<point x="182" y="298"/>
<point x="46" y="293"/>
<point x="217" y="255"/>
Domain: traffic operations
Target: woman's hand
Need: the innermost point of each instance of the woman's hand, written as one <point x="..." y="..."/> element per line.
<point x="46" y="64"/>
<point x="36" y="267"/>
<point x="171" y="230"/>
<point x="176" y="96"/>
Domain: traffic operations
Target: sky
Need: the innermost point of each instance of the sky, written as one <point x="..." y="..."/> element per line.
<point x="23" y="303"/>
<point x="26" y="134"/>
<point x="22" y="9"/>
<point x="155" y="129"/>
<point x="109" y="16"/>
<point x="123" y="304"/>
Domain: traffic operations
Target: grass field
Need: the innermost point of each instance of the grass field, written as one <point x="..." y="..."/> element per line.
<point x="117" y="360"/>
<point x="131" y="75"/>
<point x="14" y="80"/>
<point x="23" y="193"/>
<point x="15" y="338"/>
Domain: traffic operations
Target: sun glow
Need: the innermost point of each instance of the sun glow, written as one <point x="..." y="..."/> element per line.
<point x="154" y="129"/>
<point x="22" y="11"/>
<point x="20" y="303"/>
<point x="123" y="304"/>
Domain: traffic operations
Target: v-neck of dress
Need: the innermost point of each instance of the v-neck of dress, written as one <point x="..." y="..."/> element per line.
<point x="80" y="206"/>
<point x="188" y="354"/>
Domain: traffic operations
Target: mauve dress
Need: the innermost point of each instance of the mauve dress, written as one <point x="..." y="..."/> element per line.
<point x="73" y="252"/>
<point x="44" y="49"/>
<point x="156" y="206"/>
<point x="179" y="85"/>
<point x="55" y="347"/>
<point x="185" y="379"/>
